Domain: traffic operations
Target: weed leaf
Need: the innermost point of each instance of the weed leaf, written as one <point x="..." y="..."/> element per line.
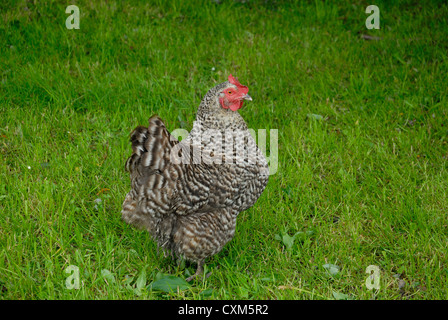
<point x="207" y="293"/>
<point x="108" y="276"/>
<point x="141" y="280"/>
<point x="340" y="296"/>
<point x="169" y="284"/>
<point x="315" y="116"/>
<point x="331" y="268"/>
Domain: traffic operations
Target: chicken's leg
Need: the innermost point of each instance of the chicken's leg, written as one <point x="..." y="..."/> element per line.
<point x="198" y="272"/>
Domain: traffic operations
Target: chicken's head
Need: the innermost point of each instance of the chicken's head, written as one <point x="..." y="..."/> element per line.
<point x="233" y="95"/>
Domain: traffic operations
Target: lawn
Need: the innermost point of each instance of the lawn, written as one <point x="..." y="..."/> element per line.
<point x="362" y="126"/>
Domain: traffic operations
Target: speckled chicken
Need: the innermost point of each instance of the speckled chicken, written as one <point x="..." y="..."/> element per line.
<point x="188" y="194"/>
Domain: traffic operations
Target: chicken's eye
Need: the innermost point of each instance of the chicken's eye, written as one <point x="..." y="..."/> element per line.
<point x="229" y="92"/>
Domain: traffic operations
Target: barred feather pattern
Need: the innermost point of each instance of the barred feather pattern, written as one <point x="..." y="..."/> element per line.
<point x="190" y="207"/>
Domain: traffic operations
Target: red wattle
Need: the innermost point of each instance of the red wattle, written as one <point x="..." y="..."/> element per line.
<point x="236" y="106"/>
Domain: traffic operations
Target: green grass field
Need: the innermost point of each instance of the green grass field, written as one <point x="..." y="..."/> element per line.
<point x="363" y="153"/>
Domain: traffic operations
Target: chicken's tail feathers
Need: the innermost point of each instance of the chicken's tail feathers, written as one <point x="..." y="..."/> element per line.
<point x="138" y="138"/>
<point x="151" y="146"/>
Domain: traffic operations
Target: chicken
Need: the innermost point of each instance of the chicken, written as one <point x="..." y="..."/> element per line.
<point x="188" y="194"/>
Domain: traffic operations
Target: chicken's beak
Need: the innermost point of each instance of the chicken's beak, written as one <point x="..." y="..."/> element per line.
<point x="246" y="97"/>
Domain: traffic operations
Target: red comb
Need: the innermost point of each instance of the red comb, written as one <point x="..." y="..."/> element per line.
<point x="235" y="82"/>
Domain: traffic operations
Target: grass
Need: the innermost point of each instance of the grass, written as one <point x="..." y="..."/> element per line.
<point x="363" y="130"/>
